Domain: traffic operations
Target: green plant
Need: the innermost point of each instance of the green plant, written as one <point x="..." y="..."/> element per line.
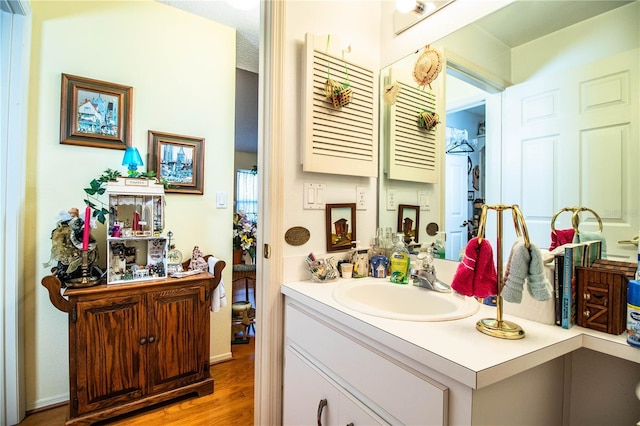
<point x="96" y="188"/>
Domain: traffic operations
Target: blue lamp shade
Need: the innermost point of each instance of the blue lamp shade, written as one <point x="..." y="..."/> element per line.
<point x="132" y="159"/>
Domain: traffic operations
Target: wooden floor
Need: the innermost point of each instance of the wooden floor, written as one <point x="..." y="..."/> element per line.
<point x="231" y="403"/>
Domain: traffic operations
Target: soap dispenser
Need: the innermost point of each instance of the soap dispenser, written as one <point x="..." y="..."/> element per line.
<point x="399" y="262"/>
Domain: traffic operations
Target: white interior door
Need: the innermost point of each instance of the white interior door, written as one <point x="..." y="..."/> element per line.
<point x="571" y="139"/>
<point x="456" y="205"/>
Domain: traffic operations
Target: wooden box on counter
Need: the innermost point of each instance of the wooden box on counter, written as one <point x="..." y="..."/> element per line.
<point x="135" y="345"/>
<point x="602" y="295"/>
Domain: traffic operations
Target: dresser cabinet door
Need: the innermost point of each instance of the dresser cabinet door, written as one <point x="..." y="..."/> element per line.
<point x="178" y="350"/>
<point x="108" y="337"/>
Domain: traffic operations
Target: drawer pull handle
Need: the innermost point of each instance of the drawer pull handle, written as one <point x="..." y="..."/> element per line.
<point x="143" y="340"/>
<point x="321" y="405"/>
<point x="586" y="296"/>
<point x="587" y="313"/>
<point x="152" y="339"/>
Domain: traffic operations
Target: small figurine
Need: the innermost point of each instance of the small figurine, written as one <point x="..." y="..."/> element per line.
<point x="197" y="260"/>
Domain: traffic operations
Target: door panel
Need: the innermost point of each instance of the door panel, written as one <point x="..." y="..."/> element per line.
<point x="178" y="352"/>
<point x="456" y="205"/>
<point x="570" y="139"/>
<point x="111" y="360"/>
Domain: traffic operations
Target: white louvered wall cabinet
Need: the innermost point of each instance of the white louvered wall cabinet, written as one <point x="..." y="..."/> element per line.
<point x="342" y="140"/>
<point x="413" y="151"/>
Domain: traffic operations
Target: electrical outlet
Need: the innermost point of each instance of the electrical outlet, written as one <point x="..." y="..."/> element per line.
<point x="423" y="199"/>
<point x="391" y="199"/>
<point x="361" y="198"/>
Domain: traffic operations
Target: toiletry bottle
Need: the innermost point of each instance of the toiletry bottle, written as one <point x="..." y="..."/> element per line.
<point x="399" y="262"/>
<point x="638" y="267"/>
<point x="633" y="313"/>
<point x="438" y="246"/>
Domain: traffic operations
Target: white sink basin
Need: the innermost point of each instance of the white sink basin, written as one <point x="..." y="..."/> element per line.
<point x="406" y="302"/>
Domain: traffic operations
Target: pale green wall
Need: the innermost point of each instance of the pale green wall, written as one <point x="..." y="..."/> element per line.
<point x="182" y="70"/>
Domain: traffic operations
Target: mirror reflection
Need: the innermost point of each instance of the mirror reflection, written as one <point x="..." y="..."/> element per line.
<point x="409" y="222"/>
<point x="501" y="138"/>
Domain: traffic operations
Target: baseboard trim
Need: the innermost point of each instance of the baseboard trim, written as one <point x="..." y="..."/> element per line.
<point x="47" y="404"/>
<point x="220" y="358"/>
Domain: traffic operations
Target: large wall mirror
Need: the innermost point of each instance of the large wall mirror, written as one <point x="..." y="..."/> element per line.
<point x="535" y="96"/>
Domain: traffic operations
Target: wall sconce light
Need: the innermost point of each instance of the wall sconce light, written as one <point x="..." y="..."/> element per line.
<point x="243" y="5"/>
<point x="132" y="159"/>
<point x="406" y="6"/>
<point x="410" y="12"/>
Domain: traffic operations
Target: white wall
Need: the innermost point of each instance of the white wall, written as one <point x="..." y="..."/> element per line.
<point x="605" y="35"/>
<point x="182" y="70"/>
<point x="355" y="23"/>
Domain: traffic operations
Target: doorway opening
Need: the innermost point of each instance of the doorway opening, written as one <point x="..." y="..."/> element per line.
<point x="465" y="161"/>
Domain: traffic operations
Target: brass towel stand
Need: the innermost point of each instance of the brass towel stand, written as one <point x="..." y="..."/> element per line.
<point x="497" y="327"/>
<point x="575" y="218"/>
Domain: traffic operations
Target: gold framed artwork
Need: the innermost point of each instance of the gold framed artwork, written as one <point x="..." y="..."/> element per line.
<point x="340" y="226"/>
<point x="95" y="113"/>
<point x="179" y="160"/>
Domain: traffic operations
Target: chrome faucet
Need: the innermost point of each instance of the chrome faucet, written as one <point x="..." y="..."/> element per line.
<point x="425" y="276"/>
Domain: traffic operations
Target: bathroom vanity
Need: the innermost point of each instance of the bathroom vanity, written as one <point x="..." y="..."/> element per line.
<point x="343" y="366"/>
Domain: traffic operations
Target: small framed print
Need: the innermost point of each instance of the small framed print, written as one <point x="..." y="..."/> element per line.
<point x="179" y="160"/>
<point x="340" y="226"/>
<point x="95" y="113"/>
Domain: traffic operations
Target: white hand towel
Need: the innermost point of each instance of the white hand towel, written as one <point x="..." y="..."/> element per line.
<point x="219" y="297"/>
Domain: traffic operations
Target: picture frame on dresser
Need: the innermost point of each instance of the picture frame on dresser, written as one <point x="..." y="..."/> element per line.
<point x="179" y="160"/>
<point x="95" y="113"/>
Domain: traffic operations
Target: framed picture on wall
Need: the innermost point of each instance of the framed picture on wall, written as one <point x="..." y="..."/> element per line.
<point x="178" y="159"/>
<point x="409" y="222"/>
<point x="95" y="113"/>
<point x="341" y="226"/>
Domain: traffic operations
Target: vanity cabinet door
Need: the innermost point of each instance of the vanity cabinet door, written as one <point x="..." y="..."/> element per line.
<point x="303" y="392"/>
<point x="311" y="397"/>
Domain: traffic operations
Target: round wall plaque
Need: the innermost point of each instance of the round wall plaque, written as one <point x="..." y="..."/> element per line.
<point x="297" y="236"/>
<point x="432" y="229"/>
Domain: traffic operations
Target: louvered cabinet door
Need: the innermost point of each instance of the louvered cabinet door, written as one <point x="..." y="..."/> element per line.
<point x="339" y="140"/>
<point x="413" y="151"/>
<point x="105" y="338"/>
<point x="178" y="349"/>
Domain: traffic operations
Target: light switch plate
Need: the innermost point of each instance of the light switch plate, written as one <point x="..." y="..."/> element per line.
<point x="313" y="197"/>
<point x="221" y="200"/>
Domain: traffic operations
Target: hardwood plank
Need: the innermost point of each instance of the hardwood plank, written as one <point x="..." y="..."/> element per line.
<point x="231" y="403"/>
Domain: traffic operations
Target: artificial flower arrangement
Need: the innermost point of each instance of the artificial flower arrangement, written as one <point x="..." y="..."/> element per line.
<point x="244" y="233"/>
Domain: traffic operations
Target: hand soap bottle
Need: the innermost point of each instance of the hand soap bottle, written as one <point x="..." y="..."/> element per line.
<point x="399" y="262"/>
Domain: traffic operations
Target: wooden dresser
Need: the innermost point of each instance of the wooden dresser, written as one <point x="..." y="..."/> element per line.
<point x="137" y="344"/>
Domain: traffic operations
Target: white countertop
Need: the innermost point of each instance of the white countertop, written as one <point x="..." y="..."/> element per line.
<point x="455" y="347"/>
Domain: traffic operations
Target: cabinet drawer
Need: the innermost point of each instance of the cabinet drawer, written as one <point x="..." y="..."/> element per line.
<point x="391" y="389"/>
